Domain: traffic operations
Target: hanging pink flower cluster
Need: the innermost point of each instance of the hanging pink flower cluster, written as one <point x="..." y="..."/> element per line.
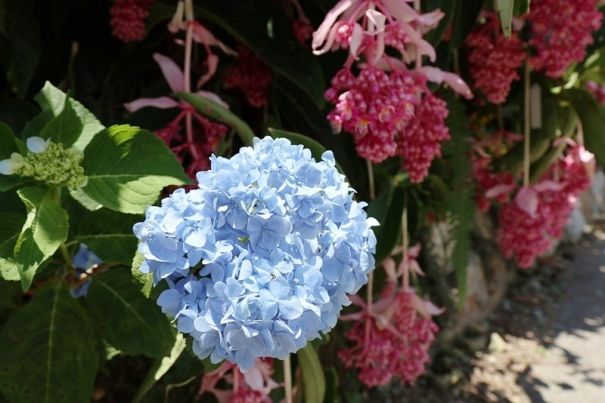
<point x="489" y="185"/>
<point x="373" y="107"/>
<point x="379" y="104"/>
<point x="253" y="386"/>
<point x="190" y="135"/>
<point x="128" y="17"/>
<point x="301" y="26"/>
<point x="494" y="59"/>
<point x="392" y="338"/>
<point x="536" y="218"/>
<point x="597" y="90"/>
<point x="560" y="31"/>
<point x="250" y="76"/>
<point x="420" y="140"/>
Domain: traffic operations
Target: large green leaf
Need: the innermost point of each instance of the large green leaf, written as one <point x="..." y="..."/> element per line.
<point x="125" y="318"/>
<point x="52" y="101"/>
<point x="592" y="116"/>
<point x="9" y="232"/>
<point x="65" y="128"/>
<point x="44" y="230"/>
<point x="160" y="367"/>
<point x="9" y="270"/>
<point x="460" y="202"/>
<point x="127" y="168"/>
<point x="314" y="381"/>
<point x="48" y="351"/>
<point x="219" y="113"/>
<point x="106" y="232"/>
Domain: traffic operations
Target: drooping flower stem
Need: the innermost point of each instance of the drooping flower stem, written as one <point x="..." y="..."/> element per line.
<point x="190" y="18"/>
<point x="236" y="379"/>
<point x="526" y="127"/>
<point x="288" y="380"/>
<point x="418" y="54"/>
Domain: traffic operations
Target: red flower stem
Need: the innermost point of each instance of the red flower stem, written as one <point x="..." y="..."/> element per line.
<point x="235" y="378"/>
<point x="418" y="56"/>
<point x="190" y="18"/>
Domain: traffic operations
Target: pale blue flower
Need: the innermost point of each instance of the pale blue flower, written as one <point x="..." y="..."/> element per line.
<point x="260" y="258"/>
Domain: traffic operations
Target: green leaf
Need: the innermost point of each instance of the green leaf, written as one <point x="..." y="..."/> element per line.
<point x="505" y="12"/>
<point x="125" y="318"/>
<point x="460" y="202"/>
<point x="465" y="16"/>
<point x="44" y="230"/>
<point x="145" y="280"/>
<point x="48" y="351"/>
<point x="9" y="270"/>
<point x="8" y="145"/>
<point x="592" y="116"/>
<point x="106" y="232"/>
<point x="314" y="382"/>
<point x="219" y="113"/>
<point x="387" y="208"/>
<point x="521" y="7"/>
<point x="128" y="167"/>
<point x="52" y="101"/>
<point x="65" y="128"/>
<point x="331" y="385"/>
<point x="9" y="232"/>
<point x="160" y="367"/>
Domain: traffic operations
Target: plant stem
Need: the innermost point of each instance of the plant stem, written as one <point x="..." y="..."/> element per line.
<point x="190" y="18"/>
<point x="370" y="286"/>
<point x="404" y="244"/>
<point x="288" y="379"/>
<point x="527" y="127"/>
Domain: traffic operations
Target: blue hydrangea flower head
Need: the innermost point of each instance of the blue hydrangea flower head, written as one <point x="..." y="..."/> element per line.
<point x="259" y="259"/>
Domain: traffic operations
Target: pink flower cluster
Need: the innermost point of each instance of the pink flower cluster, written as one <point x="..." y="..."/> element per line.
<point x="420" y="141"/>
<point x="387" y="107"/>
<point x="560" y="32"/>
<point x="391" y="344"/>
<point x="531" y="223"/>
<point x="494" y="59"/>
<point x="374" y="107"/>
<point x="254" y="386"/>
<point x="250" y="76"/>
<point x="128" y="17"/>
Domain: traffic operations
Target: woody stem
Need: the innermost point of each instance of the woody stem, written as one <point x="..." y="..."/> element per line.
<point x="189" y="17"/>
<point x="527" y="128"/>
<point x="288" y="379"/>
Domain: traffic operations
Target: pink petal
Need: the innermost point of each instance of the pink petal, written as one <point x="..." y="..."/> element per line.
<point x="389" y="267"/>
<point x="205" y="37"/>
<point x="499" y="190"/>
<point x="357" y="300"/>
<point x="254" y="378"/>
<point x="400" y="10"/>
<point x="548" y="185"/>
<point x="162" y="102"/>
<point x="212" y="62"/>
<point x="378" y="21"/>
<point x="423" y="47"/>
<point x="177" y="21"/>
<point x="586" y="156"/>
<point x="414" y="251"/>
<point x="319" y="36"/>
<point x="172" y="72"/>
<point x="455" y="82"/>
<point x="527" y="200"/>
<point x="356" y="40"/>
<point x="430" y="20"/>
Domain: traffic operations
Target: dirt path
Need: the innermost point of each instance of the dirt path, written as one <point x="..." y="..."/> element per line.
<point x="552" y="352"/>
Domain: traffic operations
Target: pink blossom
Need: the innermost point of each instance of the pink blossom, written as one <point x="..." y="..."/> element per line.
<point x="128" y="19"/>
<point x="494" y="59"/>
<point x="560" y="32"/>
<point x="194" y="155"/>
<point x="250" y="76"/>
